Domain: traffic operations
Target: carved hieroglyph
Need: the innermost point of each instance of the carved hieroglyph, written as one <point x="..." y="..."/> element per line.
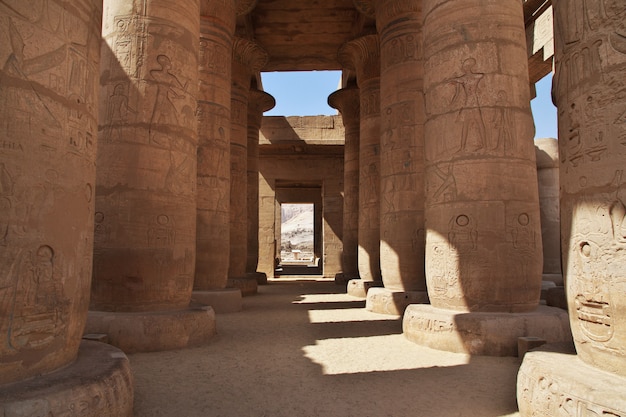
<point x="217" y="27"/>
<point x="347" y="102"/>
<point x="590" y="91"/>
<point x="483" y="245"/>
<point x="363" y="56"/>
<point x="48" y="124"/>
<point x="248" y="58"/>
<point x="402" y="241"/>
<point x="259" y="102"/>
<point x="146" y="184"/>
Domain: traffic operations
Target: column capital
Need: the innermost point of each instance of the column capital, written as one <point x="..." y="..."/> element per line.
<point x="225" y="10"/>
<point x="249" y="53"/>
<point x="366" y="7"/>
<point x="261" y="101"/>
<point x="347" y="101"/>
<point x="389" y="11"/>
<point x="245" y="6"/>
<point x="361" y="55"/>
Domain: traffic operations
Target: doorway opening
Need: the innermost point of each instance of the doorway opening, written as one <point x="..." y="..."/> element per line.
<point x="297" y="234"/>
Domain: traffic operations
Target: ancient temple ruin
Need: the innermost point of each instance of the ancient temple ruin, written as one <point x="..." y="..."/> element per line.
<point x="141" y="185"/>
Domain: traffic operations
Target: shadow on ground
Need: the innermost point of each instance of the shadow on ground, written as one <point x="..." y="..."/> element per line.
<point x="301" y="349"/>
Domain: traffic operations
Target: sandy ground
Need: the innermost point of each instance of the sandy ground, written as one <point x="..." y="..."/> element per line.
<point x="302" y="347"/>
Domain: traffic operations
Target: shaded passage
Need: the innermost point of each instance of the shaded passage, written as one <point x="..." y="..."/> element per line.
<point x="302" y="347"/>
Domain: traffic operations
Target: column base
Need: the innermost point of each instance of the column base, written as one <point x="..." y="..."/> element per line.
<point x="489" y="334"/>
<point x="98" y="383"/>
<point x="260" y="277"/>
<point x="247" y="286"/>
<point x="154" y="331"/>
<point x="384" y="301"/>
<point x="227" y="300"/>
<point x="343" y="278"/>
<point x="359" y="288"/>
<point x="554" y="381"/>
<point x="556" y="278"/>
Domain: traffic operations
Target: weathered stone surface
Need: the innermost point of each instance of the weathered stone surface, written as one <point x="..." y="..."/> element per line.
<point x="386" y="301"/>
<point x="217" y="27"/>
<point x="589" y="91"/>
<point x="248" y="58"/>
<point x="402" y="235"/>
<point x="363" y="56"/>
<point x="347" y="101"/>
<point x="547" y="153"/>
<point x="98" y="383"/>
<point x="554" y="381"/>
<point x="259" y="102"/>
<point x="49" y="64"/>
<point x="479" y="333"/>
<point x="227" y="300"/>
<point x="153" y="331"/>
<point x="247" y="285"/>
<point x="483" y="245"/>
<point x="145" y="236"/>
<point x="359" y="287"/>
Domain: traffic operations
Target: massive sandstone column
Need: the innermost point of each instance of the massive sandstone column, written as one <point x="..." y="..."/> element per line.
<point x="248" y="58"/>
<point x="48" y="125"/>
<point x="145" y="233"/>
<point x="399" y="24"/>
<point x="590" y="91"/>
<point x="363" y="56"/>
<point x="258" y="103"/>
<point x="346" y="101"/>
<point x="483" y="243"/>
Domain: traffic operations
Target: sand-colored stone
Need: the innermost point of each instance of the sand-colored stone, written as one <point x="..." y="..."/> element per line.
<point x="547" y="153"/>
<point x="386" y="301"/>
<point x="98" y="383"/>
<point x="217" y="28"/>
<point x="248" y="58"/>
<point x="482" y="333"/>
<point x="347" y="101"/>
<point x="589" y="90"/>
<point x="258" y="102"/>
<point x="360" y="287"/>
<point x="227" y="300"/>
<point x="49" y="69"/>
<point x="362" y="55"/>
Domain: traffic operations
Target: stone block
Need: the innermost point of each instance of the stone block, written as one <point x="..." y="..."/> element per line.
<point x="247" y="286"/>
<point x="557" y="297"/>
<point x="384" y="301"/>
<point x="227" y="300"/>
<point x="359" y="287"/>
<point x="526" y="343"/>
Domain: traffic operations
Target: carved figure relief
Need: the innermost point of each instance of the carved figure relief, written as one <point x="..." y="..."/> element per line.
<point x="504" y="123"/>
<point x="117" y="113"/>
<point x="470" y="114"/>
<point x="445" y="186"/>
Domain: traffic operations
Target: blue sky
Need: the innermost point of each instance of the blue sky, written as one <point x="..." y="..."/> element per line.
<point x="305" y="94"/>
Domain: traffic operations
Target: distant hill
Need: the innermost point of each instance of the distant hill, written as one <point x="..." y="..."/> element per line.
<point x="297" y="227"/>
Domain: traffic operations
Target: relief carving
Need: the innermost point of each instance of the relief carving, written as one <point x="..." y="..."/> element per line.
<point x="473" y="134"/>
<point x="162" y="235"/>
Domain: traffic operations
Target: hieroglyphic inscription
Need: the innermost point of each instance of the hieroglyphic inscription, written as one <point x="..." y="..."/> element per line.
<point x="470" y="115"/>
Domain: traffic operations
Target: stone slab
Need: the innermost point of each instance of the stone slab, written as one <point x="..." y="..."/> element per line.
<point x="527" y="343"/>
<point x="359" y="287"/>
<point x="227" y="300"/>
<point x="384" y="301"/>
<point x="154" y="331"/>
<point x="248" y="286"/>
<point x="489" y="334"/>
<point x="98" y="383"/>
<point x="553" y="381"/>
<point x="260" y="277"/>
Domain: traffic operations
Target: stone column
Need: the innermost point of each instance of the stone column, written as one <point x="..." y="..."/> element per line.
<point x="547" y="151"/>
<point x="217" y="28"/>
<point x="248" y="58"/>
<point x="363" y="56"/>
<point x="145" y="232"/>
<point x="399" y="24"/>
<point x="259" y="102"/>
<point x="347" y="102"/>
<point x="48" y="128"/>
<point x="589" y="90"/>
<point x="483" y="242"/>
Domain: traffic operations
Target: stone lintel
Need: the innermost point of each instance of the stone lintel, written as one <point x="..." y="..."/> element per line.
<point x="247" y="285"/>
<point x="489" y="334"/>
<point x="385" y="301"/>
<point x="226" y="300"/>
<point x="552" y="381"/>
<point x="154" y="331"/>
<point x="261" y="101"/>
<point x="250" y="54"/>
<point x="98" y="383"/>
<point x="361" y="55"/>
<point x="359" y="287"/>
